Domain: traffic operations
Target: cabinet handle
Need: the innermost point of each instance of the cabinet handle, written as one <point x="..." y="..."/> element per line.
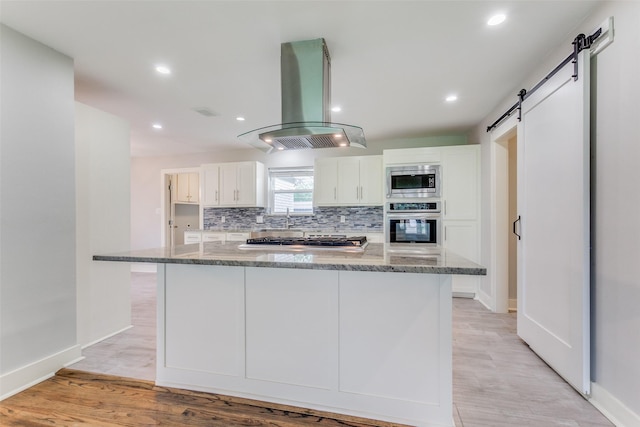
<point x="445" y="207"/>
<point x="361" y="197"/>
<point x="216" y="196"/>
<point x="514" y="227"/>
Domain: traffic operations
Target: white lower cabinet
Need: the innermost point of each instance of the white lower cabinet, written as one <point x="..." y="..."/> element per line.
<point x="237" y="236"/>
<point x="204" y="318"/>
<point x="291" y="326"/>
<point x="192" y="237"/>
<point x="208" y="236"/>
<point x="373" y="344"/>
<point x="462" y="237"/>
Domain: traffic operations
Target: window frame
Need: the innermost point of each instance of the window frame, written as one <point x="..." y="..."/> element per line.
<point x="296" y="171"/>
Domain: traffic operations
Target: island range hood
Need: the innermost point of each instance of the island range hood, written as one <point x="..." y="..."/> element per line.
<point x="306" y="104"/>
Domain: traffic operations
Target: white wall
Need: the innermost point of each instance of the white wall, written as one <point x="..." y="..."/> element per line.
<point x="616" y="288"/>
<point x="146" y="180"/>
<point x="37" y="212"/>
<point x="103" y="221"/>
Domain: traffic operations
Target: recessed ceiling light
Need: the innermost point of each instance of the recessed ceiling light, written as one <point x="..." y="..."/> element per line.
<point x="451" y="98"/>
<point x="156" y="126"/>
<point x="336" y="109"/>
<point x="163" y="69"/>
<point x="268" y="140"/>
<point x="497" y="19"/>
<point x="280" y="148"/>
<point x="240" y="119"/>
<point x="343" y="144"/>
<point x="338" y="135"/>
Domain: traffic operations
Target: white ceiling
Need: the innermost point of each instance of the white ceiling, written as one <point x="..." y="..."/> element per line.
<point x="393" y="62"/>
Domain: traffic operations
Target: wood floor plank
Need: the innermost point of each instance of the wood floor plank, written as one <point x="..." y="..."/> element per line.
<point x="79" y="398"/>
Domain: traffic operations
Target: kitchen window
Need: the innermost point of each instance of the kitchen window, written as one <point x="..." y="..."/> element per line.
<point x="291" y="190"/>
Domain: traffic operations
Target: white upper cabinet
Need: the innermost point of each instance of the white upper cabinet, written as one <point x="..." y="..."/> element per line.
<point x="325" y="182"/>
<point x="348" y="181"/>
<point x="371" y="180"/>
<point x="187" y="187"/>
<point x="461" y="182"/>
<point x="210" y="178"/>
<point x="233" y="184"/>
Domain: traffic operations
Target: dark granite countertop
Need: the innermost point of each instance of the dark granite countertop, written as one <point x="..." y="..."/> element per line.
<point x="375" y="257"/>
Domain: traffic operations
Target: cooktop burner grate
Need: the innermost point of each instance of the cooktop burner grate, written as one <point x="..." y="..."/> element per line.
<point x="310" y="241"/>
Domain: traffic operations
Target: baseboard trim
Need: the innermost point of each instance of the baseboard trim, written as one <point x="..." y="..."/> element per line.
<point x="27" y="376"/>
<point x="143" y="268"/>
<point x="470" y="295"/>
<point x="513" y="305"/>
<point x="106" y="336"/>
<point x="617" y="412"/>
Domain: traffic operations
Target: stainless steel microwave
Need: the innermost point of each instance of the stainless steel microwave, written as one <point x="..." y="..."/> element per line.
<point x="413" y="181"/>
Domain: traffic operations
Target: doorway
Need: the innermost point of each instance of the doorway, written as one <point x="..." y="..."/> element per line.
<point x="181" y="210"/>
<point x="504" y="281"/>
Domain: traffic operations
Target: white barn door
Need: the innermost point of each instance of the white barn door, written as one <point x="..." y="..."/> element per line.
<point x="553" y="202"/>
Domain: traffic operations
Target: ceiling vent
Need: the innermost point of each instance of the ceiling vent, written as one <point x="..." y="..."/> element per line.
<point x="205" y="111"/>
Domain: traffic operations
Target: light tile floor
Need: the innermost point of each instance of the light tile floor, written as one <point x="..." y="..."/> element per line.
<point x="497" y="380"/>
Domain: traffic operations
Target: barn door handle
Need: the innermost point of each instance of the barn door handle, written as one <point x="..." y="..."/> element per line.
<point x="514" y="227"/>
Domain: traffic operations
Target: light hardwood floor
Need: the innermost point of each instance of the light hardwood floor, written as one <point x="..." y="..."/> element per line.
<point x="497" y="379"/>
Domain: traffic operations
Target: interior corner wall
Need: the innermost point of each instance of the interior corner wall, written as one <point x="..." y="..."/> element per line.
<point x="615" y="228"/>
<point x="37" y="212"/>
<point x="103" y="226"/>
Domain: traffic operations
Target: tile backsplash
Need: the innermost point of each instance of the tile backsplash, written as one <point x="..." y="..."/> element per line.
<point x="364" y="218"/>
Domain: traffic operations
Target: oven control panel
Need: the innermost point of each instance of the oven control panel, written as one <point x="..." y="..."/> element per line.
<point x="414" y="207"/>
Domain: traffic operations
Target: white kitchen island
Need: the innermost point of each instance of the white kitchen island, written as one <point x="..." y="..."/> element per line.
<point x="365" y="334"/>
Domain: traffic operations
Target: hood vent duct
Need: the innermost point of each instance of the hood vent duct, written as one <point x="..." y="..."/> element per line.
<point x="305" y="68"/>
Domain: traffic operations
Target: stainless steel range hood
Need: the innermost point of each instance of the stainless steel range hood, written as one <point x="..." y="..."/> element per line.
<point x="306" y="104"/>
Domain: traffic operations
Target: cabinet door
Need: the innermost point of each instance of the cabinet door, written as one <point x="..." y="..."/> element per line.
<point x="461" y="182"/>
<point x="349" y="181"/>
<point x="194" y="187"/>
<point x="198" y="297"/>
<point x="325" y="182"/>
<point x="246" y="184"/>
<point x="182" y="188"/>
<point x="187" y="188"/>
<point x="461" y="237"/>
<point x="371" y="184"/>
<point x="228" y="184"/>
<point x="210" y="186"/>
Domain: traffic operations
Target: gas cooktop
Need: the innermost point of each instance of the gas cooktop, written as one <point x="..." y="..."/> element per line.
<point x="358" y="241"/>
<point x="299" y="244"/>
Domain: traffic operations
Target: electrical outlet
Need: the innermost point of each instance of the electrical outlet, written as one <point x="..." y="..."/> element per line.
<point x="343" y="218"/>
<point x="259" y="219"/>
<point x="222" y="219"/>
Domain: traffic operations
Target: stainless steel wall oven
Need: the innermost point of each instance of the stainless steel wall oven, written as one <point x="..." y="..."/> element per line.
<point x="413" y="223"/>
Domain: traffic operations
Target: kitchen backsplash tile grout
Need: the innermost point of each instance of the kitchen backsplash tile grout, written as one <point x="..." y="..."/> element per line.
<point x="365" y="218"/>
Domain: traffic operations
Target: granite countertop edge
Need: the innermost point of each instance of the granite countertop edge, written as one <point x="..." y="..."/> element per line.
<point x="373" y="259"/>
<point x="479" y="271"/>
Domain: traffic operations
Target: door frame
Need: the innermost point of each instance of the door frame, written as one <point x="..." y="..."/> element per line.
<point x="164" y="199"/>
<point x="498" y="300"/>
